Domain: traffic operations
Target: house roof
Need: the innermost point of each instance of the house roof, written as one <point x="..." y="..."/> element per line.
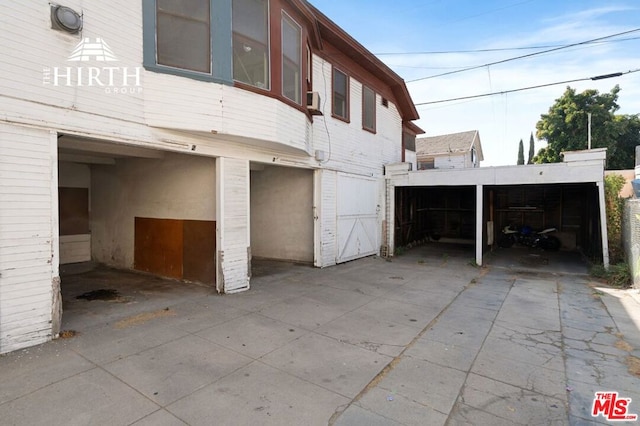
<point x="447" y="144"/>
<point x="327" y="30"/>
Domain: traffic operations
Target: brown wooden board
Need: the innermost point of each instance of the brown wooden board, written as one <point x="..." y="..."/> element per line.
<point x="199" y="251"/>
<point x="73" y="210"/>
<point x="158" y="246"/>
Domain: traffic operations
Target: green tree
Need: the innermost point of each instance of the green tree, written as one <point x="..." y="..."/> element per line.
<point x="531" y="149"/>
<point x="565" y="128"/>
<point x="520" y="154"/>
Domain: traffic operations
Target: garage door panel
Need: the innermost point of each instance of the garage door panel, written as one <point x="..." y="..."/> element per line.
<point x="357" y="217"/>
<point x="357" y="238"/>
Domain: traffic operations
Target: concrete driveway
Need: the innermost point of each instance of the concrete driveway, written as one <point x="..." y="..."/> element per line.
<point x="424" y="339"/>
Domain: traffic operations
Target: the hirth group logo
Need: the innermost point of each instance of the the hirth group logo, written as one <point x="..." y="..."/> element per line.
<point x="98" y="50"/>
<point x="112" y="79"/>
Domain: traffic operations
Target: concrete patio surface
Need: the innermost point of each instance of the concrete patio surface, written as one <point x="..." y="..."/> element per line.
<point x="424" y="339"/>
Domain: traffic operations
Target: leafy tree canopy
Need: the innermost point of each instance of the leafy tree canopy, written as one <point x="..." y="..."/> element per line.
<point x="565" y="128"/>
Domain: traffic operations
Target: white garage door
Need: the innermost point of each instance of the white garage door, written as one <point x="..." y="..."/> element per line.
<point x="357" y="217"/>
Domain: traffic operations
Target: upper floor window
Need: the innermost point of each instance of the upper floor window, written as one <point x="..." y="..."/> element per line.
<point x="229" y="41"/>
<point x="368" y="109"/>
<point x="291" y="59"/>
<point x="427" y="164"/>
<point x="409" y="141"/>
<point x="183" y="37"/>
<point x="251" y="42"/>
<point x="340" y="94"/>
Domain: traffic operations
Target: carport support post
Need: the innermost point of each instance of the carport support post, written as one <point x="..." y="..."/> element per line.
<point x="603" y="226"/>
<point x="479" y="220"/>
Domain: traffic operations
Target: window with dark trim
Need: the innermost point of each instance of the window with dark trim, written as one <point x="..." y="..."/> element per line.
<point x="368" y="109"/>
<point x="427" y="164"/>
<point x="340" y="94"/>
<point x="409" y="141"/>
<point x="251" y="42"/>
<point x="183" y="31"/>
<point x="229" y="42"/>
<point x="291" y="59"/>
<point x="189" y="38"/>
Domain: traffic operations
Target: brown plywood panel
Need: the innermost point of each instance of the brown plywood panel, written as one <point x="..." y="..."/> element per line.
<point x="158" y="246"/>
<point x="199" y="251"/>
<point x="73" y="210"/>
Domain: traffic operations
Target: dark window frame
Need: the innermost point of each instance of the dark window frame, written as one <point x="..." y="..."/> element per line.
<point x="300" y="65"/>
<point x="347" y="114"/>
<point x="372" y="105"/>
<point x="236" y="36"/>
<point x="222" y="50"/>
<point x="220" y="37"/>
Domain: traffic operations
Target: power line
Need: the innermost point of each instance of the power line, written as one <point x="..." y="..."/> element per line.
<point x="504" y="92"/>
<point x="497" y="49"/>
<point x="525" y="56"/>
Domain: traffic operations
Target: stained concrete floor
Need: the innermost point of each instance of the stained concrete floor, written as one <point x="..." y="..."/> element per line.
<point x="426" y="338"/>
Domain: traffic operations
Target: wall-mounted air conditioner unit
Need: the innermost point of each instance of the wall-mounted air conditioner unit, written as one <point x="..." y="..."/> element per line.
<point x="313" y="103"/>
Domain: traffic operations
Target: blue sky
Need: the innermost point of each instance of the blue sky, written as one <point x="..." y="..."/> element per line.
<point x="404" y="26"/>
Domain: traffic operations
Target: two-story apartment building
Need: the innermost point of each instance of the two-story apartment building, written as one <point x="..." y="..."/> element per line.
<point x="184" y="139"/>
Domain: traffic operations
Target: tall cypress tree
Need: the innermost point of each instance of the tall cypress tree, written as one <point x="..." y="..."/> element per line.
<point x="520" y="154"/>
<point x="531" y="149"/>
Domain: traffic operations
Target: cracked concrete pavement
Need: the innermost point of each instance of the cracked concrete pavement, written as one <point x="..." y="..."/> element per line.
<point x="426" y="339"/>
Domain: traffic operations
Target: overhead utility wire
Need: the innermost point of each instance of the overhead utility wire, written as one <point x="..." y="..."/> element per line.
<point x="497" y="49"/>
<point x="598" y="77"/>
<point x="524" y="56"/>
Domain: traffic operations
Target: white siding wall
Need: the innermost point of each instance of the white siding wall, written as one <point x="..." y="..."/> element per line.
<point x="169" y="113"/>
<point x="27" y="236"/>
<point x="450" y="162"/>
<point x="175" y="187"/>
<point x="167" y="102"/>
<point x="348" y="147"/>
<point x="327" y="221"/>
<point x="352" y="150"/>
<point x="233" y="225"/>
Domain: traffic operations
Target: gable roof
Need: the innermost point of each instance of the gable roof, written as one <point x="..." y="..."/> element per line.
<point x="447" y="144"/>
<point x="325" y="29"/>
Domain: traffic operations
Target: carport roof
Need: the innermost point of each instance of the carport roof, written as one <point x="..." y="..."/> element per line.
<point x="578" y="167"/>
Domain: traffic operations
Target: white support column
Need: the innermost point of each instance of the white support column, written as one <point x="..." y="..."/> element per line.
<point x="479" y="223"/>
<point x="603" y="226"/>
<point x="233" y="236"/>
<point x="391" y="217"/>
<point x="317" y="222"/>
<point x="56" y="293"/>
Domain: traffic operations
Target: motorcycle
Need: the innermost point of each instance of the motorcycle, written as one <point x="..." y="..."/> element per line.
<point x="528" y="237"/>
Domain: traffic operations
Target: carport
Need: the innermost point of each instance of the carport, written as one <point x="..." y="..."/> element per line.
<point x="473" y="205"/>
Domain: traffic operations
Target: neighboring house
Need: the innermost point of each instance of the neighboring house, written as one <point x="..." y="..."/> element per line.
<point x="454" y="151"/>
<point x="183" y="139"/>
